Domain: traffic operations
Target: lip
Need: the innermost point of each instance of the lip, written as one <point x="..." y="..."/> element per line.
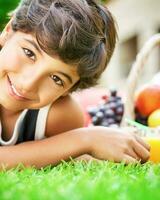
<point x="12" y="93"/>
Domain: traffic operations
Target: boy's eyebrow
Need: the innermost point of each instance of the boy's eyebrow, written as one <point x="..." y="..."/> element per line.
<point x="34" y="44"/>
<point x="67" y="76"/>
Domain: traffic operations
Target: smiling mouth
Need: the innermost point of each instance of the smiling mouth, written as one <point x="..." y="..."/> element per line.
<point x="13" y="91"/>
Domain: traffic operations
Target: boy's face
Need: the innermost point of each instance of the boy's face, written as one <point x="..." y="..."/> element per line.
<point x="29" y="78"/>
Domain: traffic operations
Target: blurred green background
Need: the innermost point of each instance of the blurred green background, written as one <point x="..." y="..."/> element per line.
<point x="5" y="7"/>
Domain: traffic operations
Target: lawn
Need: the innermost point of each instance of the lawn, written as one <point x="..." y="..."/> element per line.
<point x="81" y="181"/>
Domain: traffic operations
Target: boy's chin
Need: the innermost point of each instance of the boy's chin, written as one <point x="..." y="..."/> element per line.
<point x="12" y="108"/>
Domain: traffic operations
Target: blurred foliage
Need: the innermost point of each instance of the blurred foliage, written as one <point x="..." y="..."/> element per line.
<point x="5" y="7"/>
<point x="104" y="1"/>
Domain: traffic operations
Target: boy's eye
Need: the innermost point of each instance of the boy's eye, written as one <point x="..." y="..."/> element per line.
<point x="29" y="54"/>
<point x="57" y="80"/>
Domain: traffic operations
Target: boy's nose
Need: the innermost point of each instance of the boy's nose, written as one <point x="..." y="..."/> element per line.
<point x="31" y="80"/>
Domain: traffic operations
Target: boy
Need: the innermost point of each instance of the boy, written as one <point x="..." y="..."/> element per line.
<point x="48" y="49"/>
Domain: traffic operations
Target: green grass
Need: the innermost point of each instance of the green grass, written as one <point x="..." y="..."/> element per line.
<point x="81" y="181"/>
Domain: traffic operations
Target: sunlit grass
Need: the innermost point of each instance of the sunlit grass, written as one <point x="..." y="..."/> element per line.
<point x="81" y="181"/>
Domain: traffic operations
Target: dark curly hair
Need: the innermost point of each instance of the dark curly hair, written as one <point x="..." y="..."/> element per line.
<point x="79" y="32"/>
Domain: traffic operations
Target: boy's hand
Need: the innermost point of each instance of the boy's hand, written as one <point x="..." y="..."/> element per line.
<point x="117" y="145"/>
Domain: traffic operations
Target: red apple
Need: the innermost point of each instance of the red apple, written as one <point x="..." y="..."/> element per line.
<point x="148" y="99"/>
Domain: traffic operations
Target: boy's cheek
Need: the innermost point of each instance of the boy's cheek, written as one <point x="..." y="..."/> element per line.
<point x="9" y="60"/>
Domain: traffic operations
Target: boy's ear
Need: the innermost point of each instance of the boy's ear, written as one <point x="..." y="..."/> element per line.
<point x="6" y="33"/>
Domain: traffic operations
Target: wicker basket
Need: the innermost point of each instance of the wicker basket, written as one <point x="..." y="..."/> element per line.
<point x="134" y="76"/>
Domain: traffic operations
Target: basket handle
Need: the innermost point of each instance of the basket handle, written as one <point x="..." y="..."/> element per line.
<point x="134" y="77"/>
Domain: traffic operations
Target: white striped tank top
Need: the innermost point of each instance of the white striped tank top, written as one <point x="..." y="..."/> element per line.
<point x="29" y="126"/>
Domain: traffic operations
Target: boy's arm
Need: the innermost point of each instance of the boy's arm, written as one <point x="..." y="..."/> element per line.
<point x="63" y="143"/>
<point x="47" y="151"/>
<point x="99" y="142"/>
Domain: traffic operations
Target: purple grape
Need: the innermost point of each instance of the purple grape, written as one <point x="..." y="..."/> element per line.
<point x="112" y="99"/>
<point x="119" y="111"/>
<point x="118" y="118"/>
<point x="118" y="98"/>
<point x="109" y="113"/>
<point x="100" y="115"/>
<point x="92" y="111"/>
<point x="106" y="106"/>
<point x="102" y="108"/>
<point x="95" y="120"/>
<point x="113" y="125"/>
<point x="111" y="121"/>
<point x="119" y="104"/>
<point x="112" y="106"/>
<point x="104" y="123"/>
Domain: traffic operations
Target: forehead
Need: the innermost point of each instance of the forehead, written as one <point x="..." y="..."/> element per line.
<point x="47" y="60"/>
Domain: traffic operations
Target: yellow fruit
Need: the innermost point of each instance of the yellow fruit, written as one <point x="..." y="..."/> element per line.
<point x="154" y="119"/>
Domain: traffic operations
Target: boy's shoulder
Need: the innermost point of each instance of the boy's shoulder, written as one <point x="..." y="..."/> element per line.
<point x="65" y="114"/>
